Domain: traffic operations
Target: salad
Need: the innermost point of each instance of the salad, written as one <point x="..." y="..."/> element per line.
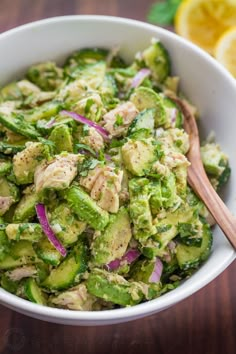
<point x="95" y="209"/>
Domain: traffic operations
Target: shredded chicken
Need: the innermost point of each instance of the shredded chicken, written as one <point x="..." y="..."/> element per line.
<point x="119" y="119"/>
<point x="56" y="174"/>
<point x="5" y="203"/>
<point x="104" y="185"/>
<point x="22" y="272"/>
<point x="76" y="298"/>
<point x="93" y="139"/>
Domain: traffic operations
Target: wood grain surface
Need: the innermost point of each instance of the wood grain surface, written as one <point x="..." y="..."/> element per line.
<point x="205" y="323"/>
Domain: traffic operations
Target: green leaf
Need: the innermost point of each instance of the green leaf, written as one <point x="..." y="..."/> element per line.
<point x="163" y="13"/>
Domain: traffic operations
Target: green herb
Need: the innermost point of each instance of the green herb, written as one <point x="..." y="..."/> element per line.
<point x="88" y="105"/>
<point x="88" y="164"/>
<point x="163" y="228"/>
<point x="119" y="121"/>
<point x="79" y="147"/>
<point x="163" y="13"/>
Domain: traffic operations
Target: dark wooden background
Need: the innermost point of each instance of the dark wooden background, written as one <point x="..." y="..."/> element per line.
<point x="205" y="323"/>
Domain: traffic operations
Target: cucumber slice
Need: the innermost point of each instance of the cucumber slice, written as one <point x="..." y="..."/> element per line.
<point x="25" y="209"/>
<point x="47" y="252"/>
<point x="169" y="105"/>
<point x="69" y="271"/>
<point x="19" y="254"/>
<point x="8" y="284"/>
<point x="157" y="59"/>
<point x="45" y="111"/>
<point x="144" y="98"/>
<point x="144" y="120"/>
<point x="17" y="124"/>
<point x="191" y="256"/>
<point x="86" y="208"/>
<point x="34" y="293"/>
<point x="11" y="149"/>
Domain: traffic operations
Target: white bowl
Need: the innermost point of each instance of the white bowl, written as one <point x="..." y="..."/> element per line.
<point x="203" y="80"/>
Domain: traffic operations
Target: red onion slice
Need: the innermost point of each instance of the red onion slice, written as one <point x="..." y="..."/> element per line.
<point x="129" y="257"/>
<point x="84" y="120"/>
<point x="139" y="77"/>
<point x="157" y="272"/>
<point x="43" y="220"/>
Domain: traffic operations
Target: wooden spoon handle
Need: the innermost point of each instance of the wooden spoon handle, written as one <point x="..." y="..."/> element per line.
<point x="200" y="183"/>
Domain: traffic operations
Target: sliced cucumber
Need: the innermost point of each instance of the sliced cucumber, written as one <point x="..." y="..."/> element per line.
<point x="144" y="98"/>
<point x="69" y="271"/>
<point x="157" y="59"/>
<point x="19" y="254"/>
<point x="5" y="167"/>
<point x="192" y="257"/>
<point x="86" y="208"/>
<point x="144" y="120"/>
<point x="46" y="110"/>
<point x="8" y="284"/>
<point x="11" y="149"/>
<point x="47" y="252"/>
<point x="25" y="209"/>
<point x="175" y="119"/>
<point x="17" y="124"/>
<point x="34" y="293"/>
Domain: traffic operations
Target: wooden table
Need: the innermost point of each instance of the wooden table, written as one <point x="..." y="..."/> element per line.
<point x="205" y="323"/>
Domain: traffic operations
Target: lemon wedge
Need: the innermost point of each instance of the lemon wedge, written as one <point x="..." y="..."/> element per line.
<point x="204" y="21"/>
<point x="225" y="50"/>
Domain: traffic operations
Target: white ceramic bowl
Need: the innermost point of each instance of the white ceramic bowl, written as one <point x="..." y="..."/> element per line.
<point x="203" y="80"/>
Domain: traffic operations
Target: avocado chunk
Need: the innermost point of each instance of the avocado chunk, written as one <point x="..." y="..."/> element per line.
<point x="11" y="92"/>
<point x="157" y="59"/>
<point x="68" y="225"/>
<point x="114" y="240"/>
<point x="26" y="161"/>
<point x="213" y="159"/>
<point x="69" y="271"/>
<point x="146" y="98"/>
<point x="62" y="138"/>
<point x="138" y="156"/>
<point x="5" y="167"/>
<point x="27" y="231"/>
<point x="86" y="208"/>
<point x="140" y="211"/>
<point x="113" y="287"/>
<point x="25" y="209"/>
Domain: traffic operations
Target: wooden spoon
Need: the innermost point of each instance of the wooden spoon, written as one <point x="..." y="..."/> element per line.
<point x="198" y="180"/>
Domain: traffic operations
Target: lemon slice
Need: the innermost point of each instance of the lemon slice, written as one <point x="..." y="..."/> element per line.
<point x="225" y="50"/>
<point x="203" y="22"/>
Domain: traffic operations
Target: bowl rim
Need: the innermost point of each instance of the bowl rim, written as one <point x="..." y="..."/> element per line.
<point x="165" y="300"/>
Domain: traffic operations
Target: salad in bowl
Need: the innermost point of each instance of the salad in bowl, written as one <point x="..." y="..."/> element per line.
<point x="96" y="212"/>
